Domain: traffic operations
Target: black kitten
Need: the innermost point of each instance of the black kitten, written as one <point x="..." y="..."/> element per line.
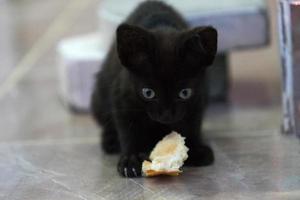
<point x="152" y="83"/>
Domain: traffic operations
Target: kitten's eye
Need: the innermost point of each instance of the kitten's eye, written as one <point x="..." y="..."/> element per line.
<point x="185" y="93"/>
<point x="148" y="93"/>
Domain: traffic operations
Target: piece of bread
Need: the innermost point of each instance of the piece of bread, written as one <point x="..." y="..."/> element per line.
<point x="167" y="156"/>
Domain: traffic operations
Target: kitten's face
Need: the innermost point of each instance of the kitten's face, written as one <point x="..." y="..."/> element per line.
<point x="167" y="101"/>
<point x="168" y="67"/>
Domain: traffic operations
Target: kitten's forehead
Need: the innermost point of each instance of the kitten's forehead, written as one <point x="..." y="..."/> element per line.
<point x="166" y="55"/>
<point x="168" y="67"/>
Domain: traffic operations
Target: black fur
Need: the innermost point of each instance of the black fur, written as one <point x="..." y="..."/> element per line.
<point x="154" y="49"/>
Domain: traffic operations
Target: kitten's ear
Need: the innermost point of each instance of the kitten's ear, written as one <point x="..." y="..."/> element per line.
<point x="200" y="45"/>
<point x="134" y="45"/>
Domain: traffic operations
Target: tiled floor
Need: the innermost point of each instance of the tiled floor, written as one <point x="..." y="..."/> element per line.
<point x="48" y="153"/>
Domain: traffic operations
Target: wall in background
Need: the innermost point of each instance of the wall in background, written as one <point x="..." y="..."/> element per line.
<point x="258" y="69"/>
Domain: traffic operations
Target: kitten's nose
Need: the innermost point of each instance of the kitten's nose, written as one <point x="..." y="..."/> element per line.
<point x="167" y="116"/>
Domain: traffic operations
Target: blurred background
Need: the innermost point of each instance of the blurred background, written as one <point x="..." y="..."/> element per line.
<point x="49" y="50"/>
<point x="24" y="22"/>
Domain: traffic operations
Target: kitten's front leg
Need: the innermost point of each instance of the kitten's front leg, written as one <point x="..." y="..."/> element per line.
<point x="132" y="152"/>
<point x="199" y="153"/>
<point x="202" y="155"/>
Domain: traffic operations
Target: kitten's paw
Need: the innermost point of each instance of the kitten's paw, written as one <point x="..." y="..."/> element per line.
<point x="131" y="165"/>
<point x="110" y="145"/>
<point x="201" y="156"/>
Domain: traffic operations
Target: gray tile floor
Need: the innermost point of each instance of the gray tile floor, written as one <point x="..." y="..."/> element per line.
<point x="46" y="152"/>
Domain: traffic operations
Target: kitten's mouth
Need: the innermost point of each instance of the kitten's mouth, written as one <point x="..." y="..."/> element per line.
<point x="161" y="120"/>
<point x="167" y="121"/>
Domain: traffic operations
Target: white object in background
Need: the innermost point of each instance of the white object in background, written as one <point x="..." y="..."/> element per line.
<point x="241" y="24"/>
<point x="80" y="59"/>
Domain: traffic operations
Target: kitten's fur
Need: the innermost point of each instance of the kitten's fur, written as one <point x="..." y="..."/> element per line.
<point x="154" y="49"/>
